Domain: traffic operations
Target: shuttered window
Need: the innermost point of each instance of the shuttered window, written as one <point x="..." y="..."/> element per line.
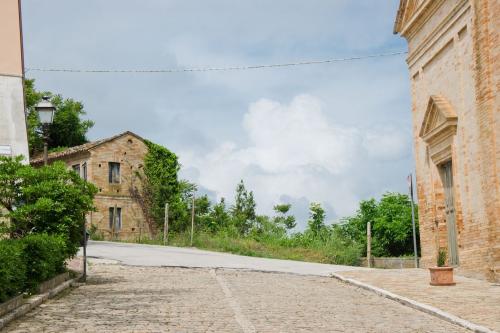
<point x="114" y="172"/>
<point x="115" y="221"/>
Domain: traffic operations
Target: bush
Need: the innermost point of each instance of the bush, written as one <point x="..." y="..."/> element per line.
<point x="50" y="199"/>
<point x="44" y="257"/>
<point x="12" y="269"/>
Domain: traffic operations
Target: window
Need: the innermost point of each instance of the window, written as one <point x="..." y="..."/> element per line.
<point x="115" y="223"/>
<point x="76" y="168"/>
<point x="114" y="172"/>
<point x="84" y="170"/>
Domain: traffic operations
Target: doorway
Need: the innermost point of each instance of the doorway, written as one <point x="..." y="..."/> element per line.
<point x="451" y="226"/>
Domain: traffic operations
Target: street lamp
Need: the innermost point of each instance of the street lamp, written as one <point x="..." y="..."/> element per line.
<point x="45" y="111"/>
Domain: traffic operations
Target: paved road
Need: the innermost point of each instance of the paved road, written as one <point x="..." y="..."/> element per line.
<point x="153" y="255"/>
<point x="121" y="298"/>
<point x="129" y="291"/>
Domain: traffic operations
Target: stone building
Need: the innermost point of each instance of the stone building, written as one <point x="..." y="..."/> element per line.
<point x="110" y="164"/>
<point x="13" y="137"/>
<point x="454" y="64"/>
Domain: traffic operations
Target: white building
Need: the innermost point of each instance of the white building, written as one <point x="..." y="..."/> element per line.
<point x="13" y="136"/>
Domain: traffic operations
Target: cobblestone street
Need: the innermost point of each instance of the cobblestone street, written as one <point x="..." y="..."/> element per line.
<point x="121" y="298"/>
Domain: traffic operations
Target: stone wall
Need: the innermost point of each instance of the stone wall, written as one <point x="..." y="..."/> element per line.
<point x="389" y="263"/>
<point x="453" y="51"/>
<point x="129" y="151"/>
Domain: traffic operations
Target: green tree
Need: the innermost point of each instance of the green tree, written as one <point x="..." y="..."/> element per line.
<point x="49" y="200"/>
<point x="220" y="218"/>
<point x="391" y="225"/>
<point x="243" y="211"/>
<point x="202" y="213"/>
<point x="288" y="221"/>
<point x="68" y="128"/>
<point x="316" y="223"/>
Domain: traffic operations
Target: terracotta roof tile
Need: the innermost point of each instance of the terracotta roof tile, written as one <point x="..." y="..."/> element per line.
<point x="79" y="149"/>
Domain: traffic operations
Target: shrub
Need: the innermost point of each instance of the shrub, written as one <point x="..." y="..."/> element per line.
<point x="50" y="199"/>
<point x="44" y="257"/>
<point x="12" y="269"/>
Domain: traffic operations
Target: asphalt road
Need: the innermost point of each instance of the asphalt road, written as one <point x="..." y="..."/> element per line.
<point x="167" y="256"/>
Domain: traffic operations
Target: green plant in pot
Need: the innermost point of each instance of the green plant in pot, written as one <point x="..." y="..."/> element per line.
<point x="441" y="258"/>
<point x="441" y="275"/>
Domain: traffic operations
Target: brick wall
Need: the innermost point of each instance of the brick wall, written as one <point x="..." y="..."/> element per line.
<point x="453" y="51"/>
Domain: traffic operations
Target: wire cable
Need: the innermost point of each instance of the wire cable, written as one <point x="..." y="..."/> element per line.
<point x="214" y="69"/>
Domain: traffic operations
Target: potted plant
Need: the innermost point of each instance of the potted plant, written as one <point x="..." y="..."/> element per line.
<point x="441" y="275"/>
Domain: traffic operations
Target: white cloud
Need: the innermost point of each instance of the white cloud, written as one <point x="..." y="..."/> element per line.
<point x="293" y="150"/>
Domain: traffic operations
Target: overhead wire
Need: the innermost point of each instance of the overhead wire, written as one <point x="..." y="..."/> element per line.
<point x="214" y="69"/>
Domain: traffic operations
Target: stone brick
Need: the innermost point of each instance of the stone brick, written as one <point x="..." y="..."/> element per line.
<point x="454" y="53"/>
<point x="129" y="150"/>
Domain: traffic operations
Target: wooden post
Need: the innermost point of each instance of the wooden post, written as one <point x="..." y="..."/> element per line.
<point x="192" y="220"/>
<point x="369" y="244"/>
<point x="165" y="226"/>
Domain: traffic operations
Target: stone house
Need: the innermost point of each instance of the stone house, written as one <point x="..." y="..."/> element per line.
<point x="454" y="64"/>
<point x="110" y="164"/>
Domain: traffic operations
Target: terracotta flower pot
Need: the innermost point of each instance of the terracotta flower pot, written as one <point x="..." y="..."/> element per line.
<point x="441" y="276"/>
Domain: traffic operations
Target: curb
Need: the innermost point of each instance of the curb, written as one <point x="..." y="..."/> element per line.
<point x="35" y="301"/>
<point x="433" y="311"/>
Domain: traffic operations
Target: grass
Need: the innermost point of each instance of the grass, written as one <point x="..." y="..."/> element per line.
<point x="329" y="251"/>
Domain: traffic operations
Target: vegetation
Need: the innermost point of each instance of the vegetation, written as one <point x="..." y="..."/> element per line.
<point x="28" y="261"/>
<point x="49" y="199"/>
<point x="156" y="184"/>
<point x="12" y="269"/>
<point x="68" y="128"/>
<point x="391" y="225"/>
<point x="238" y="229"/>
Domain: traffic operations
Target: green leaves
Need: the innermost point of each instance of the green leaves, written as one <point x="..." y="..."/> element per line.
<point x="316" y="223"/>
<point x="27" y="262"/>
<point x="12" y="269"/>
<point x="67" y="130"/>
<point x="391" y="225"/>
<point x="50" y="199"/>
<point x="243" y="210"/>
<point x="282" y="219"/>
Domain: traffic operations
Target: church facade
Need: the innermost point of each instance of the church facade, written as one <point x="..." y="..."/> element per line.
<point x="454" y="64"/>
<point x="13" y="138"/>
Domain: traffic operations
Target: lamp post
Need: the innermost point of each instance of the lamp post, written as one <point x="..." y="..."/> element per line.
<point x="45" y="111"/>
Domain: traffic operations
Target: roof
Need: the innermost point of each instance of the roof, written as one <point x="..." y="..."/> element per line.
<point x="81" y="148"/>
<point x="407" y="9"/>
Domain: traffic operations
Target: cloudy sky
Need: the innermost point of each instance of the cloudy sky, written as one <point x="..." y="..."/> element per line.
<point x="333" y="133"/>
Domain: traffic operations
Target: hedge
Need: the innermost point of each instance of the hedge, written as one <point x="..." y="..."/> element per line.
<point x="12" y="269"/>
<point x="26" y="262"/>
<point x="44" y="256"/>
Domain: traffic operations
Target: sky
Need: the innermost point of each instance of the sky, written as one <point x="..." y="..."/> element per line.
<point x="332" y="133"/>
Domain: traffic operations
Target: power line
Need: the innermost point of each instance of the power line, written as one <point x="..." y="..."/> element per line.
<point x="214" y="69"/>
